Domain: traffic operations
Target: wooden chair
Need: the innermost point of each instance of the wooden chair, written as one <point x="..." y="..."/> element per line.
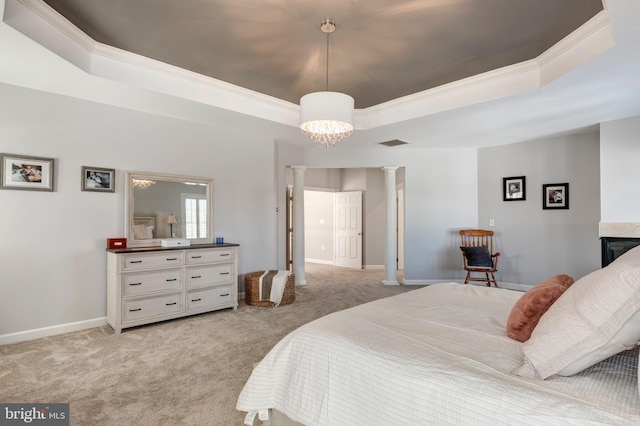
<point x="475" y="258"/>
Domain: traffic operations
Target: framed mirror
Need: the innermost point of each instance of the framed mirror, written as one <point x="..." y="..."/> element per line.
<point x="161" y="206"/>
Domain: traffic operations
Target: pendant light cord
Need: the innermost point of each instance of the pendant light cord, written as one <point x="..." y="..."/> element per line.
<point x="327" y="62"/>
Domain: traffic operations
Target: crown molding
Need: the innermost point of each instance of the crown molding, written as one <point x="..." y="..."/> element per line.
<point x="41" y="23"/>
<point x="586" y="42"/>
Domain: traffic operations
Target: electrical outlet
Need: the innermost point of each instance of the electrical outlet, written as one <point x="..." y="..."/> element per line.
<point x="492" y="222"/>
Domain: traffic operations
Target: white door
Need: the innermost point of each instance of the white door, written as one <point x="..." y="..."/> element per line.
<point x="348" y="223"/>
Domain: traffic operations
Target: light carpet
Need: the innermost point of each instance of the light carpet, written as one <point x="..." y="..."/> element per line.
<point x="182" y="372"/>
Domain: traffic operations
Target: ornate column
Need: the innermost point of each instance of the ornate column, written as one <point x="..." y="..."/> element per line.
<point x="298" y="224"/>
<point x="391" y="225"/>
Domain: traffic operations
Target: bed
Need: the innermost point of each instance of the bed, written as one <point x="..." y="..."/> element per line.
<point x="441" y="355"/>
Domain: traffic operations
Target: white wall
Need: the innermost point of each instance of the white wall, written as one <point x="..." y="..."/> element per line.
<point x="620" y="170"/>
<point x="536" y="243"/>
<point x="318" y="226"/>
<point x="52" y="244"/>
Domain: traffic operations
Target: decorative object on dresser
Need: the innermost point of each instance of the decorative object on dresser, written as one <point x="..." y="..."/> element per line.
<point x="98" y="179"/>
<point x="26" y="172"/>
<point x="175" y="242"/>
<point x="116" y="243"/>
<point x="146" y="285"/>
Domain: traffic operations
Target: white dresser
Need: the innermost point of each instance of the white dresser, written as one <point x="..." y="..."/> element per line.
<point x="146" y="285"/>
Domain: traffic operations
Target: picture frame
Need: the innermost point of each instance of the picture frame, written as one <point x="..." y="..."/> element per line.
<point x="98" y="179"/>
<point x="25" y="172"/>
<point x="514" y="188"/>
<point x="555" y="196"/>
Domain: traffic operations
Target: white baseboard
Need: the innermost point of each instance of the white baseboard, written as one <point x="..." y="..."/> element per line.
<point x="53" y="330"/>
<point x="373" y="267"/>
<point x="320" y="261"/>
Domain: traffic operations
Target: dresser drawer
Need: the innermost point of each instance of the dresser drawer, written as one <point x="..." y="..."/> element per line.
<point x="209" y="256"/>
<point x="209" y="298"/>
<point x="209" y="275"/>
<point x="132" y="262"/>
<point x="146" y="282"/>
<point x="137" y="309"/>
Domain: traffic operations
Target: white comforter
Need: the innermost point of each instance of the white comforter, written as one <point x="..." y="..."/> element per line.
<point x="436" y="355"/>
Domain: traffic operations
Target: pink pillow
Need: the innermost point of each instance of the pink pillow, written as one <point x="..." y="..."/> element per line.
<point x="528" y="310"/>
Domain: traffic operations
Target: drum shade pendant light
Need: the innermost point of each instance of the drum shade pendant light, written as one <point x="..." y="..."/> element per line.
<point x="326" y="117"/>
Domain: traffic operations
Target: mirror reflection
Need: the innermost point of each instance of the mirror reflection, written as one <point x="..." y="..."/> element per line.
<point x="167" y="206"/>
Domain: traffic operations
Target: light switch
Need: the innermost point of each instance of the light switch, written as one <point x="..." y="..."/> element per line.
<point x="492" y="222"/>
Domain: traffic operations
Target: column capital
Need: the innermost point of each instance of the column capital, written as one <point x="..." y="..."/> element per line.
<point x="299" y="168"/>
<point x="388" y="169"/>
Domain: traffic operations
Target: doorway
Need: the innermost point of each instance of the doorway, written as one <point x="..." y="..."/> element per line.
<point x="370" y="183"/>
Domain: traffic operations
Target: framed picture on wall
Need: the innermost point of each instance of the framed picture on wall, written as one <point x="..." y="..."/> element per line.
<point x="555" y="196"/>
<point x="514" y="188"/>
<point x="26" y="172"/>
<point x="98" y="179"/>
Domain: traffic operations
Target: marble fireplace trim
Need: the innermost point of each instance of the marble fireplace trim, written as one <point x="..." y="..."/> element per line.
<point x="623" y="230"/>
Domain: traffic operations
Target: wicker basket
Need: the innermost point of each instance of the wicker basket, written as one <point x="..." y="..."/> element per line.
<point x="252" y="292"/>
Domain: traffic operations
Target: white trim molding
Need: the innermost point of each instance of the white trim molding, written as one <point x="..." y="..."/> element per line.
<point x="53" y="330"/>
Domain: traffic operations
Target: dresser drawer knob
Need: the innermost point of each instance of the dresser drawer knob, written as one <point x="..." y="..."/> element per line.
<point x="171" y="279"/>
<point x="224" y="295"/>
<point x="224" y="273"/>
<point x="169" y="259"/>
<point x="173" y="303"/>
<point x="134" y="310"/>
<point x="196" y="300"/>
<point x="224" y="254"/>
<point x="135" y="261"/>
<point x="196" y="257"/>
<point x="135" y="283"/>
<point x="196" y="276"/>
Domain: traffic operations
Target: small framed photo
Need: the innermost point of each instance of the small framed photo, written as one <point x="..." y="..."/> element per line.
<point x="26" y="172"/>
<point x="555" y="196"/>
<point x="98" y="179"/>
<point x="514" y="188"/>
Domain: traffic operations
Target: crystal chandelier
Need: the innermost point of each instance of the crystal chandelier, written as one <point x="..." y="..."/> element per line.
<point x="143" y="183"/>
<point x="326" y="117"/>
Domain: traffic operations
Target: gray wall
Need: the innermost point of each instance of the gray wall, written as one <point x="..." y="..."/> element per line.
<point x="52" y="249"/>
<point x="536" y="243"/>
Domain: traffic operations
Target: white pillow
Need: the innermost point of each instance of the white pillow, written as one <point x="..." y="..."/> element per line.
<point x="142" y="232"/>
<point x="597" y="317"/>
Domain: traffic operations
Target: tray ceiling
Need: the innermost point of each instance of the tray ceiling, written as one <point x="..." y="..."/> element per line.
<point x="382" y="50"/>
